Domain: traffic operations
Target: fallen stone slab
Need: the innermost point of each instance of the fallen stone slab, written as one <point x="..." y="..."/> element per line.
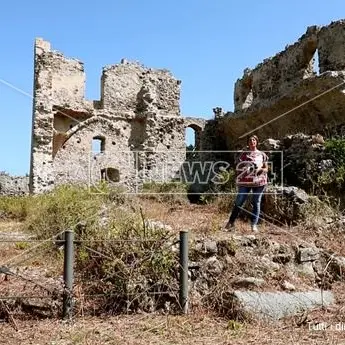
<point x="277" y="305"/>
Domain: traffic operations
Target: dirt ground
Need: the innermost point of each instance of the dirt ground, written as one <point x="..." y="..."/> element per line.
<point x="199" y="326"/>
<point x="153" y="329"/>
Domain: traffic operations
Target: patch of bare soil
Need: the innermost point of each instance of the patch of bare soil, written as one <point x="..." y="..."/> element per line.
<point x="203" y="218"/>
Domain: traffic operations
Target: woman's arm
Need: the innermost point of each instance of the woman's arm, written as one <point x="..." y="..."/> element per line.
<point x="264" y="168"/>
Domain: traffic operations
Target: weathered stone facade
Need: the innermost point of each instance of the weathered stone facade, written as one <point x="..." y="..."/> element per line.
<point x="13" y="185"/>
<point x="136" y="124"/>
<point x="137" y="120"/>
<point x="288" y="93"/>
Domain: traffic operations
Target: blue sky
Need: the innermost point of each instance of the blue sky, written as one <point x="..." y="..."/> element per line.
<point x="205" y="43"/>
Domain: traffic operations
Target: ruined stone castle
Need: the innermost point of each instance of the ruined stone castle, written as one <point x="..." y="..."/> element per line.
<point x="137" y="123"/>
<point x="132" y="134"/>
<point x="300" y="89"/>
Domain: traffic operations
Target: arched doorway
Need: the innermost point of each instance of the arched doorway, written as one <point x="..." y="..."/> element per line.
<point x="192" y="139"/>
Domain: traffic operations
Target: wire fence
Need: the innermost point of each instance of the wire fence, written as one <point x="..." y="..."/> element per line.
<point x="67" y="292"/>
<point x="74" y="292"/>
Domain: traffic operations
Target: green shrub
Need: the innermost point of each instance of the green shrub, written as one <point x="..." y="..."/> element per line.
<point x="14" y="207"/>
<point x="334" y="150"/>
<point x="51" y="213"/>
<point x="129" y="263"/>
<point x="66" y="206"/>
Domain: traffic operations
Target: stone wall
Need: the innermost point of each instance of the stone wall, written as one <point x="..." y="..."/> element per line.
<point x="137" y="119"/>
<point x="288" y="92"/>
<point x="137" y="123"/>
<point x="331" y="44"/>
<point x="132" y="87"/>
<point x="277" y="75"/>
<point x="13" y="185"/>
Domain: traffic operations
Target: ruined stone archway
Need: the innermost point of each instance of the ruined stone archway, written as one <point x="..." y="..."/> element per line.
<point x="197" y="125"/>
<point x="192" y="134"/>
<point x="61" y="138"/>
<point x="77" y="162"/>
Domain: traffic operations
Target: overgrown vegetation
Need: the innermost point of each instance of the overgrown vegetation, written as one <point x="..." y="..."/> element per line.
<point x="334" y="150"/>
<point x="14" y="207"/>
<point x="121" y="257"/>
<point x="124" y="262"/>
<point x="129" y="264"/>
<point x="48" y="214"/>
<point x="330" y="183"/>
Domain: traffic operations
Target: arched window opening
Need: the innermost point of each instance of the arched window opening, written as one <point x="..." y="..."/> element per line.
<point x="98" y="145"/>
<point x="316" y="67"/>
<point x="311" y="59"/>
<point x="193" y="137"/>
<point x="190" y="139"/>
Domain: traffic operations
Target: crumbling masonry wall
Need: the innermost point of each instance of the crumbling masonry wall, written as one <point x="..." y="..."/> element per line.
<point x="137" y="122"/>
<point x="281" y="95"/>
<point x="13" y="185"/>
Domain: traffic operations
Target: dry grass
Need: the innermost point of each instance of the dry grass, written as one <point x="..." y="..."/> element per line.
<point x="9" y="230"/>
<point x="163" y="329"/>
<point x="199" y="327"/>
<point x="9" y="226"/>
<point x="202" y="218"/>
<point x="23" y="253"/>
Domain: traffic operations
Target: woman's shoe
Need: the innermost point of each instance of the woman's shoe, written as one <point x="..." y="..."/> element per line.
<point x="229" y="226"/>
<point x="255" y="228"/>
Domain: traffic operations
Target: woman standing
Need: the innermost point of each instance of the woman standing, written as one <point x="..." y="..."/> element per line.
<point x="251" y="172"/>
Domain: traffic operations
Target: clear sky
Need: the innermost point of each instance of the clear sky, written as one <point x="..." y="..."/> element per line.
<point x="205" y="43"/>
